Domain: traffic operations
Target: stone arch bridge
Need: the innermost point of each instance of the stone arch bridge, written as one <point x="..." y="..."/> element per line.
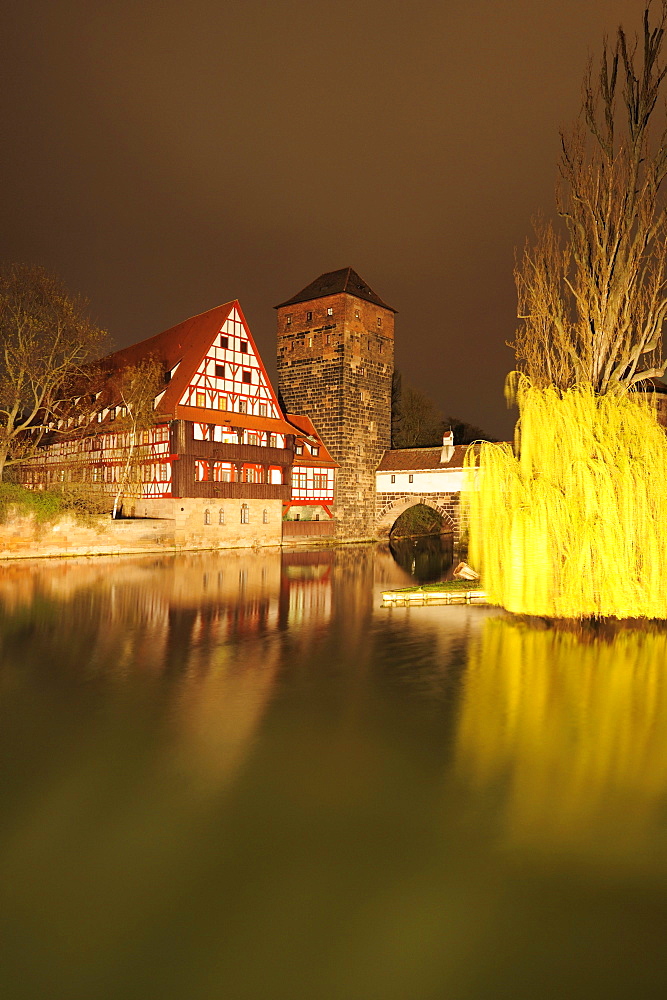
<point x="430" y="476"/>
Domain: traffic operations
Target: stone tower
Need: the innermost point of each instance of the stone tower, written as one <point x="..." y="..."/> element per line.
<point x="335" y="364"/>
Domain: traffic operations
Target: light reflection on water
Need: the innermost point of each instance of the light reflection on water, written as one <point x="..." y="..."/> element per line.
<point x="237" y="776"/>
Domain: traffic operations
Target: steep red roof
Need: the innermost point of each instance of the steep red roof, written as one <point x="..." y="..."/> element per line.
<point x="306" y="429"/>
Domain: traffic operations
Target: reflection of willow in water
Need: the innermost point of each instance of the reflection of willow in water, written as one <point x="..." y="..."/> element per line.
<point x="426" y="558"/>
<point x="570" y="731"/>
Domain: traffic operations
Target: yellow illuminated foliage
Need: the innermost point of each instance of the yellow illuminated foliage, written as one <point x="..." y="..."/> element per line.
<point x="573" y="522"/>
<point x="570" y="731"/>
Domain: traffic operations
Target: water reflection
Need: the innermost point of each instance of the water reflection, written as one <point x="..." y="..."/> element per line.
<point x="237" y="776"/>
<point x="567" y="733"/>
<point x="426" y="558"/>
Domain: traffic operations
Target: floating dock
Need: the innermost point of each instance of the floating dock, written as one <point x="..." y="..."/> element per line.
<point x="418" y="598"/>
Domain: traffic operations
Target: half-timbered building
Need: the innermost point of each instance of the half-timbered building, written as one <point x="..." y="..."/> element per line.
<point x="217" y="431"/>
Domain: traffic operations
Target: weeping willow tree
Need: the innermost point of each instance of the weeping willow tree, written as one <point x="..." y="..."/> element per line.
<point x="572" y="522"/>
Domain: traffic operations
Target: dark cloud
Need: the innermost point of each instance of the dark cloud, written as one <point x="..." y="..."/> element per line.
<point x="165" y="157"/>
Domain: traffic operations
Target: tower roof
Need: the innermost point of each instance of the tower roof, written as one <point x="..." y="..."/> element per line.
<point x="333" y="283"/>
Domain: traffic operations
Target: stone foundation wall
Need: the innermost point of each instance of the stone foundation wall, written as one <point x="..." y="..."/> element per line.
<point x="168" y="525"/>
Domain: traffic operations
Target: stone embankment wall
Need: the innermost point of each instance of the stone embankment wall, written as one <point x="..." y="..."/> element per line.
<point x="186" y="528"/>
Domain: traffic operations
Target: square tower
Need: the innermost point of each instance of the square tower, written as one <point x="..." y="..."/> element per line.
<point x="335" y="365"/>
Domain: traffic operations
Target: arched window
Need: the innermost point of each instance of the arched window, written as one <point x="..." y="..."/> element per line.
<point x="265" y="516"/>
<point x="221" y="516"/>
<point x="207" y="516"/>
<point x="245" y="514"/>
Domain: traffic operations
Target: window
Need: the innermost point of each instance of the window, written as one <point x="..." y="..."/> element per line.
<point x="112" y="415"/>
<point x="224" y="343"/>
<point x="164" y="472"/>
<point x="411" y="478"/>
<point x="309" y="316"/>
<point x="380" y="346"/>
<point x="200" y="399"/>
<point x="358" y="449"/>
<point x="253" y="438"/>
<point x="298" y="449"/>
<point x="356" y="314"/>
<point x="273" y="441"/>
<point x="327" y="339"/>
<point x="301" y="480"/>
<point x="221" y="516"/>
<point x="361" y="397"/>
<point x="219" y="371"/>
<point x="362" y="372"/>
<point x="265" y="516"/>
<point x="245" y="514"/>
<point x="379" y="320"/>
<point x="393" y="479"/>
<point x="314" y="450"/>
<point x="207" y="516"/>
<point x="250" y="475"/>
<point x="262" y="409"/>
<point x="222" y="472"/>
<point x="247" y="377"/>
<point x="320" y="481"/>
<point x="288" y="319"/>
<point x="201" y="472"/>
<point x="243" y="406"/>
<point x="329" y="310"/>
<point x="243" y="346"/>
<point x="222" y="402"/>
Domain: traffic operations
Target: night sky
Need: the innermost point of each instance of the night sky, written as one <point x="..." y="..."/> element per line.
<point x="165" y="157"/>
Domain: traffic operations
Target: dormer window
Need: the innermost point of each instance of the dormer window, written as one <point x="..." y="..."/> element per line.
<point x="314" y="450"/>
<point x="298" y="450"/>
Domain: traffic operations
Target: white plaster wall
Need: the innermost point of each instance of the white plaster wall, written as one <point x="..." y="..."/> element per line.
<point x="433" y="481"/>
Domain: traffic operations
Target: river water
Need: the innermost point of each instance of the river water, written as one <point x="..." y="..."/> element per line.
<point x="237" y="776"/>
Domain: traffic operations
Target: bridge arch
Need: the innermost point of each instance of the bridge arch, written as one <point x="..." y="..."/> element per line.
<point x="391" y="511"/>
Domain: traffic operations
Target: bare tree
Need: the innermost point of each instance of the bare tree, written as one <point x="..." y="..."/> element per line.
<point x="46" y="339"/>
<point x="137" y="386"/>
<point x="592" y="302"/>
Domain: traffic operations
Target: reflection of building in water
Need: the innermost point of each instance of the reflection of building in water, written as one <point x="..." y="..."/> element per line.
<point x="569" y="733"/>
<point x="305" y="587"/>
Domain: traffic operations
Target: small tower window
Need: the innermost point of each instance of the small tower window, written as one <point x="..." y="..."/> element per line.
<point x="379" y="320"/>
<point x="309" y="316"/>
<point x="289" y="320"/>
<point x="245" y="514"/>
<point x="207" y="516"/>
<point x="393" y="479"/>
<point x="327" y="339"/>
<point x="221" y="516"/>
<point x="265" y="516"/>
<point x="356" y="314"/>
<point x="329" y="310"/>
<point x="411" y="478"/>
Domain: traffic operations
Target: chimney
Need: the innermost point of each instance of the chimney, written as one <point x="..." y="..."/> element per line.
<point x="447" y="452"/>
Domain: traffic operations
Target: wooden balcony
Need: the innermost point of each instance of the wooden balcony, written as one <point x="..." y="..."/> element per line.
<point x="238" y="491"/>
<point x="253" y="454"/>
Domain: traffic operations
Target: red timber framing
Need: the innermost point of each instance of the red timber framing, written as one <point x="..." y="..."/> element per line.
<point x="218" y="430"/>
